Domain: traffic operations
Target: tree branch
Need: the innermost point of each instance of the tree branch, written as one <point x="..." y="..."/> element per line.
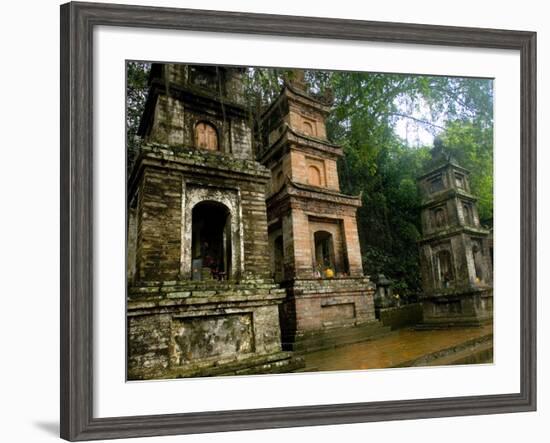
<point x="410" y="117"/>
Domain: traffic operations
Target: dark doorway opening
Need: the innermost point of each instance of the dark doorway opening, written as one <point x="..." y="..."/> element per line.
<point x="211" y="241"/>
<point x="324" y="251"/>
<point x="477" y="252"/>
<point x="445" y="269"/>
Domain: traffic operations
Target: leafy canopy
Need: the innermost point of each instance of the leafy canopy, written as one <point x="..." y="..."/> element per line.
<point x="385" y="124"/>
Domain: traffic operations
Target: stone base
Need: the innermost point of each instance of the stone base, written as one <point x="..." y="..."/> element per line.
<point x="277" y="363"/>
<point x="313" y="307"/>
<point x="186" y="328"/>
<point x="334" y="337"/>
<point x="452" y="309"/>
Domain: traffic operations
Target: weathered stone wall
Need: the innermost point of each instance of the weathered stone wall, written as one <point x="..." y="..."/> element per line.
<point x="256" y="252"/>
<point x="230" y="79"/>
<point x="300" y="114"/>
<point x="315" y="305"/>
<point x="296" y="167"/>
<point x="168" y="122"/>
<point x="241" y="139"/>
<point x="181" y="326"/>
<point x="185" y="178"/>
<point x="289" y="258"/>
<point x="159" y="225"/>
<point x="131" y="242"/>
<point x="463" y="266"/>
<point x="182" y="96"/>
<point x="205" y="336"/>
<point x="331" y="169"/>
<point x="453" y="208"/>
<point x="174" y="124"/>
<point x="311" y="311"/>
<point x="351" y="236"/>
<point x="175" y="73"/>
<point x="460" y="212"/>
<point x="301" y="242"/>
<point x="475" y="306"/>
<point x="148" y="343"/>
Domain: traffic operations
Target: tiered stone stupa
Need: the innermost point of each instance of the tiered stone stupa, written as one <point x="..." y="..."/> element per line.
<point x="313" y="238"/>
<point x="201" y="300"/>
<point x="455" y="255"/>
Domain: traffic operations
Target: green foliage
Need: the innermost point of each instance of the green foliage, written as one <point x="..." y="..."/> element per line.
<point x="383" y="167"/>
<point x="471" y="144"/>
<point x="379" y="164"/>
<point x="137" y="74"/>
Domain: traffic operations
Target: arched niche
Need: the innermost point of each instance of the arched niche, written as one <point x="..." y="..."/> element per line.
<point x="479" y="266"/>
<point x="468" y="214"/>
<point x="314" y="176"/>
<point x="211" y="247"/>
<point x="220" y="208"/>
<point x="307" y="128"/>
<point x="444" y="271"/>
<point x="324" y="251"/>
<point x="439" y="217"/>
<point x="206" y="136"/>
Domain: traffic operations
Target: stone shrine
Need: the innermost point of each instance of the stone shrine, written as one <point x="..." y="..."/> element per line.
<point x="201" y="300"/>
<point x="312" y="227"/>
<point x="455" y="250"/>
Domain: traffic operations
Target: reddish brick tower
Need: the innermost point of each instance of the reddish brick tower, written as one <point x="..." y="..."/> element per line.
<point x="312" y="226"/>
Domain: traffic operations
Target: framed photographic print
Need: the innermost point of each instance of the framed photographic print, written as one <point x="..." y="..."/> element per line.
<point x="274" y="221"/>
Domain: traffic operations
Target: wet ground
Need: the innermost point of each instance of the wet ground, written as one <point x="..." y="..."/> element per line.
<point x="392" y="350"/>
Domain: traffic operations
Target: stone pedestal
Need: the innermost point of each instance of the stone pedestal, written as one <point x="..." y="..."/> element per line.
<point x="383" y="296"/>
<point x="319" y="313"/>
<point x="473" y="307"/>
<point x="184" y="329"/>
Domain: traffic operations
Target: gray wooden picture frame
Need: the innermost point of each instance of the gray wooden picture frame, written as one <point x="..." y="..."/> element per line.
<point x="77" y="24"/>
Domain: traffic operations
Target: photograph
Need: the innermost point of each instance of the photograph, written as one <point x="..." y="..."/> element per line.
<point x="275" y="221"/>
<point x="286" y="220"/>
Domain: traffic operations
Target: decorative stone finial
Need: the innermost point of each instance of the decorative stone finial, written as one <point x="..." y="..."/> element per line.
<point x="296" y="79"/>
<point x="438" y="143"/>
<point x="439" y="151"/>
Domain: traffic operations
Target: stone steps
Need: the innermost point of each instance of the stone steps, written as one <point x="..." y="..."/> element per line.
<point x="482" y="353"/>
<point x="338" y="337"/>
<point x="476" y="351"/>
<point x="281" y="362"/>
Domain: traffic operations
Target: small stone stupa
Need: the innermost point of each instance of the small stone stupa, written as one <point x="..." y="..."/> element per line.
<point x="455" y="259"/>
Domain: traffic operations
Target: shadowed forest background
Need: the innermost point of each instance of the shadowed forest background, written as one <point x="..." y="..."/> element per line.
<point x="386" y="124"/>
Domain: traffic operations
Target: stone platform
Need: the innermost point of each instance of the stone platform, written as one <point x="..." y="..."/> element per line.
<point x="320" y="313"/>
<point x="204" y="328"/>
<point x="457" y="308"/>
